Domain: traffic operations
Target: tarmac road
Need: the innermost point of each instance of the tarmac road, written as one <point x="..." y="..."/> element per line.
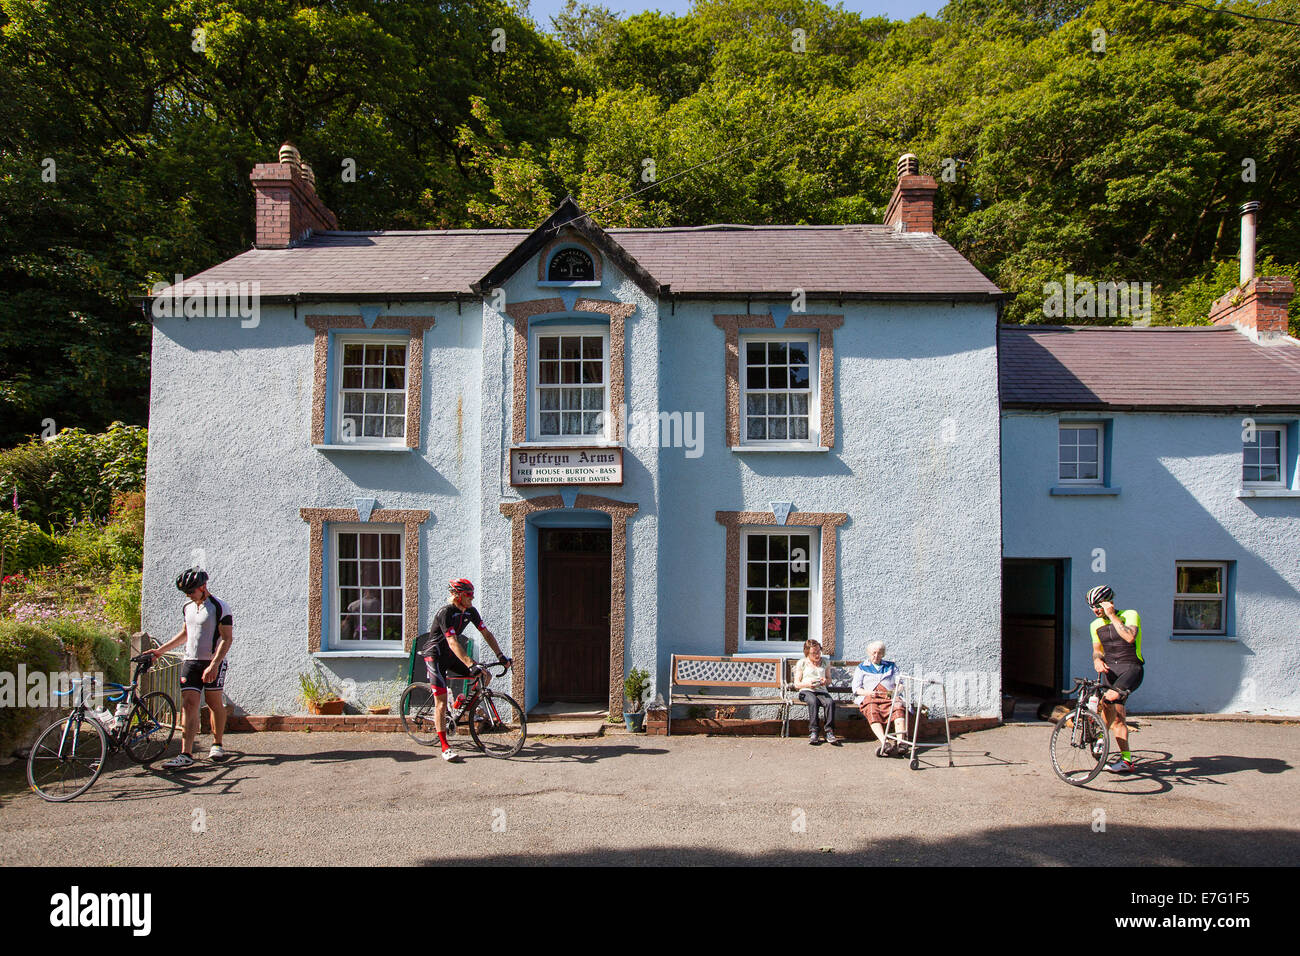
<point x="1206" y="793"/>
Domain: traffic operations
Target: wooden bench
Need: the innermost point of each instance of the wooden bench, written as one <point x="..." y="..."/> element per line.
<point x="841" y="683"/>
<point x="750" y="673"/>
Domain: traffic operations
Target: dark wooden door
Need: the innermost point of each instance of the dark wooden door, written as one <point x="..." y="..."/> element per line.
<point x="573" y="614"/>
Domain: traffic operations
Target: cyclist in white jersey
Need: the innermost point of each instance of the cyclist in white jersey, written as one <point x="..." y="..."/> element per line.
<point x="207" y="634"/>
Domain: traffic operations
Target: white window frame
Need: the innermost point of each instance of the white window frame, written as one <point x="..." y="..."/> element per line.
<point x="1222" y="597"/>
<point x="335" y="626"/>
<point x="746" y="646"/>
<point x="814" y="390"/>
<point x="535" y="385"/>
<point x="384" y="341"/>
<point x="1281" y="458"/>
<point x="1101" y="452"/>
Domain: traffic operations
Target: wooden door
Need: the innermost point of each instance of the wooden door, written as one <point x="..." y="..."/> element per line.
<point x="573" y="614"/>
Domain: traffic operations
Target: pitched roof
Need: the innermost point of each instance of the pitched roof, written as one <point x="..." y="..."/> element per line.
<point x="857" y="261"/>
<point x="1174" y="368"/>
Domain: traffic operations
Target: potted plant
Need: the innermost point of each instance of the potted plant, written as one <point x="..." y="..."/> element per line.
<point x="635" y="686"/>
<point x="318" y="697"/>
<point x="382" y="702"/>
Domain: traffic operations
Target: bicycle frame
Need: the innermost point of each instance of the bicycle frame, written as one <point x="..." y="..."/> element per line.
<point x="116" y="736"/>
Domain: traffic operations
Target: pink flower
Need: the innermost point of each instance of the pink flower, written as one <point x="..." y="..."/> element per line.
<point x="775" y="624"/>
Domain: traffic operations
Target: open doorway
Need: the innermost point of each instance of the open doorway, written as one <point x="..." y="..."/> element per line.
<point x="1033" y="626"/>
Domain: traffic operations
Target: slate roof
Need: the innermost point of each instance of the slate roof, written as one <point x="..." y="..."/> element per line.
<point x="1173" y="369"/>
<point x="859" y="261"/>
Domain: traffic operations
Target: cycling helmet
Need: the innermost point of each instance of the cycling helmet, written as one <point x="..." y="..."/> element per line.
<point x="191" y="578"/>
<point x="1099" y="594"/>
<point x="461" y="586"/>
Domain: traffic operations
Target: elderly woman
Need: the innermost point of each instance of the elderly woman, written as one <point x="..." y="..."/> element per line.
<point x="812" y="678"/>
<point x="874" y="683"/>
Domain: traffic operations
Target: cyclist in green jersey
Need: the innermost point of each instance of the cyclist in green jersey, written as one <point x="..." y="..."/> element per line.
<point x="1117" y="657"/>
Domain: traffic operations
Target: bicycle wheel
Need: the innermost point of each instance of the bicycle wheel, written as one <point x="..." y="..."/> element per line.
<point x="416" y="708"/>
<point x="67" y="758"/>
<point x="150" y="727"/>
<point x="499" y="727"/>
<point x="1079" y="752"/>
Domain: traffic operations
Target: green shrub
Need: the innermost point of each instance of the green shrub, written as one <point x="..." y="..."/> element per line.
<point x="122" y="598"/>
<point x="26" y="545"/>
<point x="86" y="545"/>
<point x="74" y="474"/>
<point x="95" y="647"/>
<point x="38" y="649"/>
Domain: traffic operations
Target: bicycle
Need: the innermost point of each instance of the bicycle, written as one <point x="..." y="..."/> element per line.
<point x="69" y="755"/>
<point x="495" y="721"/>
<point x="1079" y="742"/>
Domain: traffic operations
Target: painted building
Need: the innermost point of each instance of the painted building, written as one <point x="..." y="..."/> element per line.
<point x="636" y="442"/>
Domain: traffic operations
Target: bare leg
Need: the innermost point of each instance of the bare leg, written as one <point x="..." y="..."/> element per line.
<point x="879" y="730"/>
<point x="217" y="712"/>
<point x="189" y="719"/>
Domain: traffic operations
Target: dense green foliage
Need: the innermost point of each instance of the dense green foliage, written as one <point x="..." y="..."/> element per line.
<point x="128" y="128"/>
<point x="73" y="475"/>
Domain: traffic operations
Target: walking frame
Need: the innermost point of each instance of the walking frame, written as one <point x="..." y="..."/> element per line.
<point x="910" y="693"/>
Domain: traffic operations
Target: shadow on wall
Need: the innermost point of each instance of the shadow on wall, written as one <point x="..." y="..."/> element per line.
<point x="1074" y="844"/>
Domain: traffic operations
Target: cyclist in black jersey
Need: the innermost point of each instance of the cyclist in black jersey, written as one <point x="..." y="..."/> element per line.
<point x="1117" y="657"/>
<point x="444" y="652"/>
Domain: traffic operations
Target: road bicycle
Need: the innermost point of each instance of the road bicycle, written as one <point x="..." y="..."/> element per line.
<point x="494" y="720"/>
<point x="69" y="755"/>
<point x="1079" y="741"/>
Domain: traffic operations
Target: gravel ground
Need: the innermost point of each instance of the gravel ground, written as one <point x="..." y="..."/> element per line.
<point x="1206" y="794"/>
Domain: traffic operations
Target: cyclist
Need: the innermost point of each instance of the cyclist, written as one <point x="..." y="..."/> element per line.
<point x="207" y="632"/>
<point x="1117" y="657"/>
<point x="444" y="653"/>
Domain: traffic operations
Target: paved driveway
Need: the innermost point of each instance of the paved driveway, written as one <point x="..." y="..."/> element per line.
<point x="1210" y="793"/>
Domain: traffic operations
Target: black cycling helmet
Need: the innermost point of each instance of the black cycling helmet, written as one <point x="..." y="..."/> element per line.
<point x="1099" y="594"/>
<point x="191" y="578"/>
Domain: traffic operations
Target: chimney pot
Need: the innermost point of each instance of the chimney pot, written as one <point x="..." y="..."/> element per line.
<point x="908" y="165"/>
<point x="289" y="154"/>
<point x="1248" y="226"/>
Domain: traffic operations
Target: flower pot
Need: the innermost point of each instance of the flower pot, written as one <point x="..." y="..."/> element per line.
<point x="635" y="721"/>
<point x="326" y="706"/>
<point x="378" y="711"/>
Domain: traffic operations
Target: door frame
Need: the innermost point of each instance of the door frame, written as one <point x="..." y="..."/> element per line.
<point x="523" y="579"/>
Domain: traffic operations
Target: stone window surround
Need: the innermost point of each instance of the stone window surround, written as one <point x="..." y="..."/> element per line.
<point x="560" y="242"/>
<point x="317" y="518"/>
<point x="824" y="325"/>
<point x="619" y="512"/>
<point x="827" y="521"/>
<point x="322" y="325"/>
<point x="521" y="312"/>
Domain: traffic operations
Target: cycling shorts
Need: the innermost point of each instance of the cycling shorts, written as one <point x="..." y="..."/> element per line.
<point x="1125" y="680"/>
<point x="192" y="676"/>
<point x="440" y="666"/>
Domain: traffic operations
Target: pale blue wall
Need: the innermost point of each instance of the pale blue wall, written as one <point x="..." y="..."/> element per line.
<point x="1178" y="476"/>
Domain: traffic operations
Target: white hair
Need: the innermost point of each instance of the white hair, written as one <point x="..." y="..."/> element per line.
<point x="873" y="645"/>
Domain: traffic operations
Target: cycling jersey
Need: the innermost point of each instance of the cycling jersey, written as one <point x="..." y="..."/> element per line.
<point x="201" y="631"/>
<point x="1118" y="653"/>
<point x="449" y="620"/>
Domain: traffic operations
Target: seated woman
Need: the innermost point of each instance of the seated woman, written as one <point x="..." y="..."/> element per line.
<point x="874" y="683"/>
<point x="812" y="678"/>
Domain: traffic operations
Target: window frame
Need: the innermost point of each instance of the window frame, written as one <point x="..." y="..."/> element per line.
<point x="1223" y="596"/>
<point x="811" y="340"/>
<point x="332" y="633"/>
<point x="787" y="647"/>
<point x="1281" y="481"/>
<point x="1100" y="426"/>
<point x="535" y="334"/>
<point x="340" y="343"/>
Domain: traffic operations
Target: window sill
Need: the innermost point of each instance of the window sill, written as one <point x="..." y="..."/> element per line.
<point x="1082" y="490"/>
<point x="362" y="446"/>
<point x="566" y="443"/>
<point x="376" y="653"/>
<point x="1267" y="493"/>
<point x="1204" y="637"/>
<point x="779" y="447"/>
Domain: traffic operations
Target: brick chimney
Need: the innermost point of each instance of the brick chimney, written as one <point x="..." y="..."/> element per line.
<point x="288" y="208"/>
<point x="911" y="208"/>
<point x="1257" y="307"/>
